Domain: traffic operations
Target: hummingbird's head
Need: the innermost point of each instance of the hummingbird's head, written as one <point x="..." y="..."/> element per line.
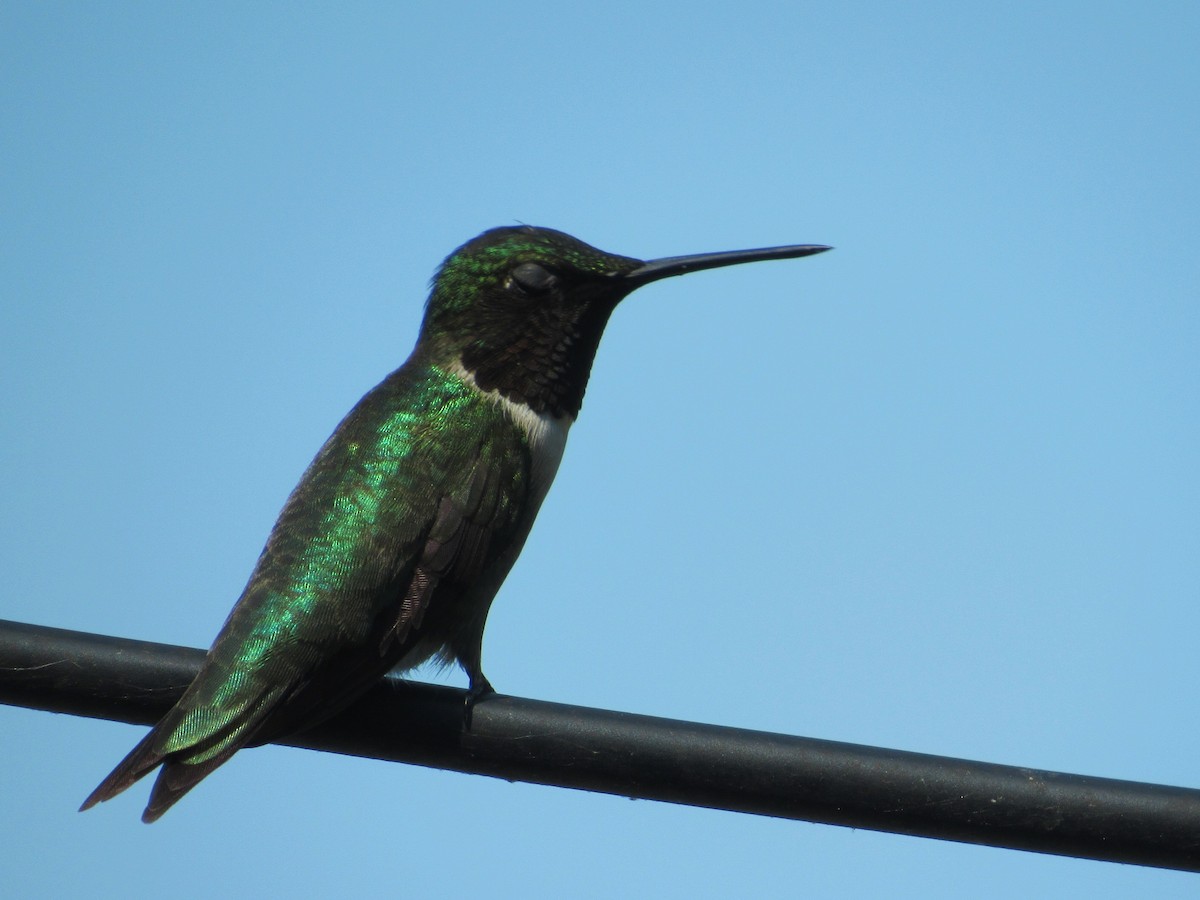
<point x="522" y="309"/>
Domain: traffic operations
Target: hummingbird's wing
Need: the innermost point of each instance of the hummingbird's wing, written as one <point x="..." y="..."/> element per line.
<point x="457" y="547"/>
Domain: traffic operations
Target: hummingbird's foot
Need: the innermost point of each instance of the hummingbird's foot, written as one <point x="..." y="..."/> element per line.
<point x="480" y="687"/>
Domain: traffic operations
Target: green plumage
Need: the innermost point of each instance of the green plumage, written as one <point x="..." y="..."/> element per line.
<point x="424" y="477"/>
<point x="338" y="564"/>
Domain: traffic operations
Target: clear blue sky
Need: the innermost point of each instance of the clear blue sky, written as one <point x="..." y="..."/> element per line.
<point x="937" y="490"/>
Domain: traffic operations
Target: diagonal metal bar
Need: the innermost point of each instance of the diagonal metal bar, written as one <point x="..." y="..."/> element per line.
<point x="660" y="759"/>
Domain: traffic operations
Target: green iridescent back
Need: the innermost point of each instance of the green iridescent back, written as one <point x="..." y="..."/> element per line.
<point x="331" y="580"/>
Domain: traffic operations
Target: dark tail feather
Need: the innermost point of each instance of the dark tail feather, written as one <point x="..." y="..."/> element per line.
<point x="140" y="761"/>
<point x="177" y="778"/>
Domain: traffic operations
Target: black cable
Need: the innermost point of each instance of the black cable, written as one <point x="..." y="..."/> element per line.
<point x="659" y="759"/>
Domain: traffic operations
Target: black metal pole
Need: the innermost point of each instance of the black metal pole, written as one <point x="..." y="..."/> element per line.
<point x="660" y="759"/>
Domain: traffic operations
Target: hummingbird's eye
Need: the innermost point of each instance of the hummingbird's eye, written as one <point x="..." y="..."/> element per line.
<point x="532" y="278"/>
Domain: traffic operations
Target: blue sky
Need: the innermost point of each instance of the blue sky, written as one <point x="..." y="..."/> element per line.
<point x="936" y="490"/>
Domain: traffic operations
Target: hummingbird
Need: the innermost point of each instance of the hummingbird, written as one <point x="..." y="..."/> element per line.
<point x="390" y="549"/>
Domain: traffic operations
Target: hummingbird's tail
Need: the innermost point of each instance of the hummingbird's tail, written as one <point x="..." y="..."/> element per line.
<point x="174" y="780"/>
<point x="188" y="744"/>
<point x="141" y="760"/>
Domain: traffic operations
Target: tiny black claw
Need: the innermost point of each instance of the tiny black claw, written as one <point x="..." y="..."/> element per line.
<point x="480" y="687"/>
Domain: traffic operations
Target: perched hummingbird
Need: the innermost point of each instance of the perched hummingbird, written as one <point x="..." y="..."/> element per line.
<point x="390" y="549"/>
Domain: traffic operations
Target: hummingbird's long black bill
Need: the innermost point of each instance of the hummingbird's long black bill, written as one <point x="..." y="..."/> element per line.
<point x="655" y="269"/>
